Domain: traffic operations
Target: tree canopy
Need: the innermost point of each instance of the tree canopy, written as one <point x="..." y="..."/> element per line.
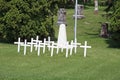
<point x="27" y="18"/>
<point x="115" y="21"/>
<point x="113" y="10"/>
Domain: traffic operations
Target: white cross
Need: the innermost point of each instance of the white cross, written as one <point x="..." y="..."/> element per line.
<point x="33" y="42"/>
<point x="52" y="48"/>
<point x="36" y="41"/>
<point x="75" y="44"/>
<point x="19" y="43"/>
<point x="41" y="45"/>
<point x="67" y="47"/>
<point x="49" y="43"/>
<point x="39" y="48"/>
<point x="25" y="45"/>
<point x="85" y="48"/>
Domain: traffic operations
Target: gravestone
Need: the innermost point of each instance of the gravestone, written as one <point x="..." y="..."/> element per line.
<point x="80" y="9"/>
<point x="104" y="30"/>
<point x="85" y="48"/>
<point x="62" y="36"/>
<point x="96" y="7"/>
<point x="62" y="42"/>
<point x="61" y="16"/>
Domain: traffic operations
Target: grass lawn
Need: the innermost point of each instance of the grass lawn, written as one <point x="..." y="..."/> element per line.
<point x="102" y="62"/>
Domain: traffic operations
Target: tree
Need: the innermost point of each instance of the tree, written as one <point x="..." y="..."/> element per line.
<point x="27" y="18"/>
<point x="110" y="5"/>
<point x="115" y="21"/>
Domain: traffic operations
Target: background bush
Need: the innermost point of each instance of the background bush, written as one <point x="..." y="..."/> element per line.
<point x="27" y="18"/>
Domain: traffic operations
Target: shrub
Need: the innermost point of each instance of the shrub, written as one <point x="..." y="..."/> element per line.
<point x="27" y="18"/>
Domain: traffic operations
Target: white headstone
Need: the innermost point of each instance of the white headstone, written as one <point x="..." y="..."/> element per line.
<point x="62" y="36"/>
<point x="62" y="42"/>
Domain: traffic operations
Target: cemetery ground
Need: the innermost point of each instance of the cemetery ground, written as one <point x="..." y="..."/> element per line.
<point x="102" y="61"/>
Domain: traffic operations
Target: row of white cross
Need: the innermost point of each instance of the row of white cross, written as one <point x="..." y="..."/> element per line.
<point x="37" y="44"/>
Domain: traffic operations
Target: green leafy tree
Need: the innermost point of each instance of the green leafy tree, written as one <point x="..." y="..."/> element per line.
<point x="115" y="21"/>
<point x="27" y="18"/>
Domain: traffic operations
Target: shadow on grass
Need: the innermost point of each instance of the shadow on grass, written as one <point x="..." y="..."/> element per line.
<point x="113" y="43"/>
<point x="92" y="34"/>
<point x="3" y="41"/>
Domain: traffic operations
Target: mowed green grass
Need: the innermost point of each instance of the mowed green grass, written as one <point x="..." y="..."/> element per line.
<point x="101" y="63"/>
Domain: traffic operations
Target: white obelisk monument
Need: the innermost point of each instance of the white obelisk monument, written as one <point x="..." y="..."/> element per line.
<point x="62" y="36"/>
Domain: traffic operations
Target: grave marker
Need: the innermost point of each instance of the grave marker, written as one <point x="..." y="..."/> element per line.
<point x="48" y="42"/>
<point x="104" y="30"/>
<point x="40" y="44"/>
<point x="80" y="9"/>
<point x="61" y="16"/>
<point x="75" y="45"/>
<point x="19" y="43"/>
<point x="62" y="42"/>
<point x="33" y="42"/>
<point x="36" y="41"/>
<point x="85" y="48"/>
<point x="62" y="36"/>
<point x="39" y="48"/>
<point x="96" y="7"/>
<point x="25" y="45"/>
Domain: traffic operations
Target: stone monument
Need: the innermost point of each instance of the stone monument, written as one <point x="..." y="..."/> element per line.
<point x="80" y="9"/>
<point x="61" y="16"/>
<point x="62" y="36"/>
<point x="96" y="7"/>
<point x="104" y="30"/>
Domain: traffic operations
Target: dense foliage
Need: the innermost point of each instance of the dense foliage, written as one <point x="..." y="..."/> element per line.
<point x="113" y="10"/>
<point x="26" y="18"/>
<point x="71" y="3"/>
<point x="115" y="21"/>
